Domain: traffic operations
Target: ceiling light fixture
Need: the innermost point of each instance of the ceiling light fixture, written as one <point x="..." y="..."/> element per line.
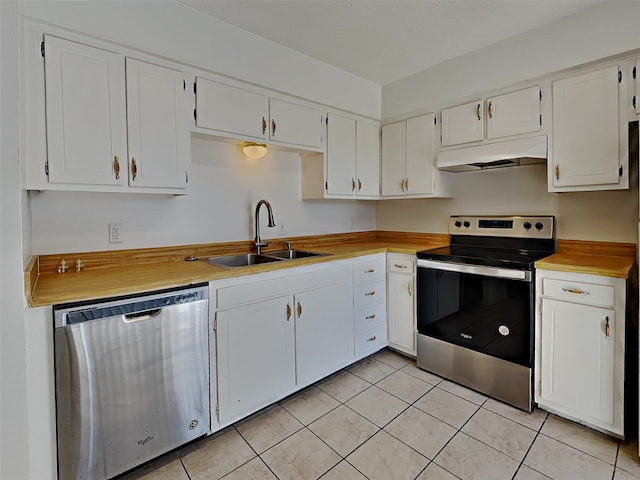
<point x="254" y="150"/>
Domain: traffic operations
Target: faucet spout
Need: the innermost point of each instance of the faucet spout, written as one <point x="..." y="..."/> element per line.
<point x="272" y="223"/>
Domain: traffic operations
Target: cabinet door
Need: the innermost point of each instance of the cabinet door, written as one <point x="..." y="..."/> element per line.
<point x="400" y="304"/>
<point x="324" y="331"/>
<point x="394" y="154"/>
<point x="462" y="124"/>
<point x="367" y="160"/>
<point x="256" y="356"/>
<point x="85" y="114"/>
<point x="341" y="155"/>
<point x="295" y="124"/>
<point x="230" y="109"/>
<point x="514" y="113"/>
<point x="586" y="129"/>
<point x="420" y="155"/>
<point x="577" y="359"/>
<point x="157" y="126"/>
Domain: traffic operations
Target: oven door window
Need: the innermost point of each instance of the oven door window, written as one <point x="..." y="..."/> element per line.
<point x="487" y="314"/>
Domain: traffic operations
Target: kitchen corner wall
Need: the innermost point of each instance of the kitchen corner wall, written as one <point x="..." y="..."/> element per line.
<point x="225" y="188"/>
<point x="603" y="216"/>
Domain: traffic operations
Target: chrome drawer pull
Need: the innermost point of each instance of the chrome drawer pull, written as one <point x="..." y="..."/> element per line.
<point x="607" y="328"/>
<point x="370" y="317"/>
<point x="368" y="294"/>
<point x="399" y="266"/>
<point x="371" y="270"/>
<point x="576" y="291"/>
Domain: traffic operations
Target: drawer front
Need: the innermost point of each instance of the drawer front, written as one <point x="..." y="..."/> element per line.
<point x="370" y="340"/>
<point x="370" y="271"/>
<point x="369" y="294"/>
<point x="397" y="265"/>
<point x="579" y="292"/>
<point x="369" y="317"/>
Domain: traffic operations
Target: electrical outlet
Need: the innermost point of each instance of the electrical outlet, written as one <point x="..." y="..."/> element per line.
<point x="115" y="233"/>
<point x="281" y="223"/>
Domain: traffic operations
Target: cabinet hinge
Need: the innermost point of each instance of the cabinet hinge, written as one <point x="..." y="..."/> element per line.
<point x="184" y="85"/>
<point x="634" y="73"/>
<point x="619" y="76"/>
<point x="195" y="114"/>
<point x="540" y="95"/>
<point x="218" y="412"/>
<point x="326" y="121"/>
<point x="194" y="87"/>
<point x="42" y="48"/>
<point x="46" y="168"/>
<point x="540" y="120"/>
<point x="540" y="387"/>
<point x="634" y="101"/>
<point x="435" y="120"/>
<point x="186" y="177"/>
<point x="326" y="186"/>
<point x="620" y="170"/>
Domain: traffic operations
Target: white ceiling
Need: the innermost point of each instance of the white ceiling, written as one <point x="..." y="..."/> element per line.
<point x="383" y="41"/>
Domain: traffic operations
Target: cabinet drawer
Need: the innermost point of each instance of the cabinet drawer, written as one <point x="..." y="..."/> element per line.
<point x="369" y="317"/>
<point x="370" y="340"/>
<point x="368" y="271"/>
<point x="579" y="292"/>
<point x="397" y="265"/>
<point x="369" y="294"/>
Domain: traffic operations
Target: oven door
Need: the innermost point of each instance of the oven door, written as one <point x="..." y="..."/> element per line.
<point x="485" y="309"/>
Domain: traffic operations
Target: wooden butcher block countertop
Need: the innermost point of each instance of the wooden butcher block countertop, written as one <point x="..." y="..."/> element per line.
<point x="594" y="258"/>
<point x="114" y="273"/>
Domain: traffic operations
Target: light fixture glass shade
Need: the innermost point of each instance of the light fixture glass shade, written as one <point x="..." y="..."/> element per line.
<point x="254" y="150"/>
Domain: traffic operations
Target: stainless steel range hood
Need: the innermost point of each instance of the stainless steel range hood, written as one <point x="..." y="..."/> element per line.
<point x="512" y="153"/>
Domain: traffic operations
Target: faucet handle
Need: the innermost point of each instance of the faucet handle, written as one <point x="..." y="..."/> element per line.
<point x="288" y="245"/>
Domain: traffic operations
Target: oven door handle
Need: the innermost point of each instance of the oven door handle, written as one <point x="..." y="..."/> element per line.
<point x="476" y="270"/>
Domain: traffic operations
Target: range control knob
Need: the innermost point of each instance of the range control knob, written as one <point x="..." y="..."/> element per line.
<point x="466" y="224"/>
<point x="458" y="223"/>
<point x="526" y="225"/>
<point x="539" y="225"/>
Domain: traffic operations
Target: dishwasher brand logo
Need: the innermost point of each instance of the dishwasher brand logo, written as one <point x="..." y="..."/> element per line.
<point x="145" y="440"/>
<point x="468" y="337"/>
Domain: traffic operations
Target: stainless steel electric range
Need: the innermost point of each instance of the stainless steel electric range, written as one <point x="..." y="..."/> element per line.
<point x="475" y="304"/>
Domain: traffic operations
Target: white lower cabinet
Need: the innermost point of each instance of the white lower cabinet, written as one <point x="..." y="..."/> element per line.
<point x="580" y="348"/>
<point x="256" y="357"/>
<point x="323" y="332"/>
<point x="401" y="304"/>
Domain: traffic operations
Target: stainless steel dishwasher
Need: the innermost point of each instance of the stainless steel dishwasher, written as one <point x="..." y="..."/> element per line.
<point x="132" y="380"/>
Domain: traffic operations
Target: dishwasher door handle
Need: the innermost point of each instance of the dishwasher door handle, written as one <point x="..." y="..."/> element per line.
<point x="141" y="316"/>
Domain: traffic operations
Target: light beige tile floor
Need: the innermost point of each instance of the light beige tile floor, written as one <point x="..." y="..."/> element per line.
<point x="384" y="418"/>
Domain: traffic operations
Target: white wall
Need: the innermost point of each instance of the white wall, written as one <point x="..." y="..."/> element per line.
<point x="14" y="450"/>
<point x="606" y="29"/>
<point x="181" y="33"/>
<point x="602" y="216"/>
<point x="225" y="188"/>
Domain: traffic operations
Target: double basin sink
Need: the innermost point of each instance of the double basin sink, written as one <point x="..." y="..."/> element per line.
<point x="248" y="259"/>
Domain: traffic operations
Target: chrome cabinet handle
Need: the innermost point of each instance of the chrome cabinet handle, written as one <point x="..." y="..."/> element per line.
<point x="264" y="125"/>
<point x="288" y="312"/>
<point x="607" y="328"/>
<point x="299" y="309"/>
<point x="370" y="317"/>
<point x="478" y="112"/>
<point x="406" y="184"/>
<point x="368" y="294"/>
<point x="399" y="266"/>
<point x="116" y="166"/>
<point x="134" y="169"/>
<point x="402" y="184"/>
<point x="353" y="184"/>
<point x="273" y="127"/>
<point x="359" y="185"/>
<point x="575" y="291"/>
<point x="371" y="270"/>
<point x="557" y="172"/>
<point x="489" y="110"/>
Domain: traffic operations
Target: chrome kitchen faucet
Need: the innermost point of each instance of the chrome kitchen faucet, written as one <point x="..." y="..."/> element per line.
<point x="272" y="223"/>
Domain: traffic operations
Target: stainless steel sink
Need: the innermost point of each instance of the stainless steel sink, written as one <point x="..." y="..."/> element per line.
<point x="243" y="260"/>
<point x="293" y="254"/>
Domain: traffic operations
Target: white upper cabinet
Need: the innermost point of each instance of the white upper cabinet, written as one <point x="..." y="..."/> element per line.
<point x="351" y="166"/>
<point x="105" y="123"/>
<point x="408" y="158"/>
<point x="463" y="124"/>
<point x="158" y="132"/>
<point x="368" y="160"/>
<point x="232" y="110"/>
<point x="85" y="114"/>
<point x="341" y="155"/>
<point x="513" y="113"/>
<point x="295" y="124"/>
<point x="589" y="143"/>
